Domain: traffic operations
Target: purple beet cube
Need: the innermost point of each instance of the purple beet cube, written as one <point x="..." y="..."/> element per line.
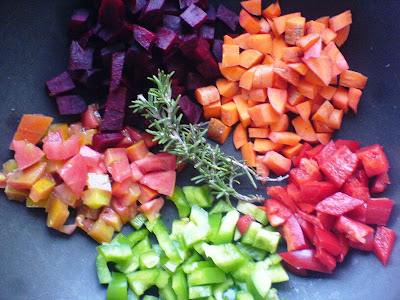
<point x="194" y="16"/>
<point x="195" y="81"/>
<point x="217" y="49"/>
<point x="209" y="68"/>
<point x="60" y="84"/>
<point x="137" y="56"/>
<point x="178" y="90"/>
<point x="190" y="110"/>
<point x="144" y="37"/>
<point x="171" y="8"/>
<point x="70" y="105"/>
<point x="111" y="13"/>
<point x="152" y="13"/>
<point x="107" y="52"/>
<point x="200" y="3"/>
<point x="79" y="22"/>
<point x="92" y="79"/>
<point x="103" y="141"/>
<point x="172" y="23"/>
<point x="208" y="32"/>
<point x="178" y="65"/>
<point x="114" y="114"/>
<point x="187" y="43"/>
<point x="80" y="58"/>
<point x="228" y="17"/>
<point x="201" y="51"/>
<point x="117" y="65"/>
<point x="211" y="15"/>
<point x="166" y="40"/>
<point x="137" y="7"/>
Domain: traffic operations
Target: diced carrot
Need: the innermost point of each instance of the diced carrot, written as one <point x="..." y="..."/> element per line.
<point x="229" y="114"/>
<point x="314" y="27"/>
<point x="300" y="68"/>
<point x="314" y="79"/>
<point x="334" y="80"/>
<point x="246" y="81"/>
<point x="212" y="110"/>
<point x="248" y="22"/>
<point x="232" y="73"/>
<point x="292" y="54"/>
<point x="305" y="42"/>
<point x="250" y="57"/>
<point x="268" y="60"/>
<point x="354" y="98"/>
<point x="304" y="129"/>
<point x="242" y="107"/>
<point x="340" y="99"/>
<point x="261" y="168"/>
<point x="248" y="154"/>
<point x="318" y="99"/>
<point x="227" y="88"/>
<point x="323" y="113"/>
<point x="218" y="131"/>
<point x="32" y="128"/>
<point x="228" y="40"/>
<point x="265" y="27"/>
<point x="294" y="97"/>
<point x="322" y="67"/>
<point x="230" y="55"/>
<point x="328" y="35"/>
<point x="261" y="42"/>
<point x="263" y="76"/>
<point x="321" y="127"/>
<point x="335" y="118"/>
<point x="285" y="138"/>
<point x="265" y="145"/>
<point x="324" y="138"/>
<point x="273" y="29"/>
<point x="314" y="50"/>
<point x="339" y="62"/>
<point x="252" y="103"/>
<point x="225" y="100"/>
<point x="263" y="114"/>
<point x="246" y="94"/>
<point x="252" y="6"/>
<point x="207" y="95"/>
<point x="281" y="125"/>
<point x="324" y="20"/>
<point x="286" y="72"/>
<point x="307" y="89"/>
<point x="304" y="109"/>
<point x="258" y="95"/>
<point x="241" y="40"/>
<point x="272" y="11"/>
<point x="279" y="83"/>
<point x="278" y="99"/>
<point x="327" y="92"/>
<point x="239" y="136"/>
<point x="342" y="35"/>
<point x="291" y="151"/>
<point x="259" y="132"/>
<point x="294" y="29"/>
<point x="280" y="22"/>
<point x="277" y="44"/>
<point x="340" y="21"/>
<point x="291" y="108"/>
<point x="353" y="79"/>
<point x="277" y="163"/>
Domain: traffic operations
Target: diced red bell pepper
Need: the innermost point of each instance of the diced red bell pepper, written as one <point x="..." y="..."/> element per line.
<point x="383" y="243"/>
<point x="326" y="220"/>
<point x="358" y="214"/>
<point x="26" y="153"/>
<point x="279" y="193"/>
<point x="328" y="241"/>
<point x="277" y="212"/>
<point x="352" y="145"/>
<point x="302" y="153"/>
<point x="244" y="222"/>
<point x="354" y="230"/>
<point x="367" y="246"/>
<point x="316" y="191"/>
<point x="305" y="259"/>
<point x="294" y="270"/>
<point x="310" y="218"/>
<point x="358" y="192"/>
<point x="314" y="151"/>
<point x="326" y="152"/>
<point x="294" y="192"/>
<point x="307" y="171"/>
<point x="338" y="204"/>
<point x="344" y="245"/>
<point x="325" y="258"/>
<point x="293" y="235"/>
<point x="340" y="165"/>
<point x="307" y="227"/>
<point x="306" y="207"/>
<point x="378" y="211"/>
<point x="74" y="173"/>
<point x="373" y="160"/>
<point x="380" y="183"/>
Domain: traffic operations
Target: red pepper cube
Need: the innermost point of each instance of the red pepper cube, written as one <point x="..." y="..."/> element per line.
<point x="355" y="231"/>
<point x="294" y="235"/>
<point x="305" y="259"/>
<point x="383" y="243"/>
<point x="338" y="204"/>
<point x="328" y="241"/>
<point x="325" y="258"/>
<point x="277" y="212"/>
<point x="378" y="211"/>
<point x="374" y="160"/>
<point x="367" y="246"/>
<point x="380" y="183"/>
<point x="280" y="194"/>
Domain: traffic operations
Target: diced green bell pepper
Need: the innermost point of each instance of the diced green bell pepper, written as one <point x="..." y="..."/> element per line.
<point x="207" y="275"/>
<point x="121" y="239"/>
<point x="138" y="221"/>
<point x="251" y="232"/>
<point x="222" y="206"/>
<point x="255" y="253"/>
<point x="189" y="268"/>
<point x="219" y="289"/>
<point x="142" y="280"/>
<point x="103" y="272"/>
<point x="116" y="253"/>
<point x="118" y="287"/>
<point x="227" y="228"/>
<point x="137" y="236"/>
<point x="244" y="271"/>
<point x="167" y="293"/>
<point x="226" y="256"/>
<point x="250" y="209"/>
<point x="200" y="291"/>
<point x="148" y="260"/>
<point x="277" y="273"/>
<point x="266" y="240"/>
<point x="198" y="195"/>
<point x="178" y="197"/>
<point x="214" y="220"/>
<point x="259" y="283"/>
<point x="179" y="285"/>
<point x="243" y="295"/>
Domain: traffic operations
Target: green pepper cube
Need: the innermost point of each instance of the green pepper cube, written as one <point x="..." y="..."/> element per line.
<point x="167" y="293"/>
<point x="103" y="272"/>
<point x="222" y="206"/>
<point x="259" y="283"/>
<point x="149" y="297"/>
<point x="251" y="232"/>
<point x="198" y="195"/>
<point x="250" y="209"/>
<point x="142" y="280"/>
<point x="244" y="271"/>
<point x="138" y="221"/>
<point x="137" y="236"/>
<point x="163" y="237"/>
<point x="214" y="220"/>
<point x="277" y="273"/>
<point x="190" y="268"/>
<point x="226" y="256"/>
<point x="227" y="228"/>
<point x="116" y="253"/>
<point x="179" y="285"/>
<point x="128" y="266"/>
<point x="207" y="275"/>
<point x="200" y="291"/>
<point x="267" y="240"/>
<point x="220" y="288"/>
<point x="181" y="203"/>
<point x="118" y="287"/>
<point x="121" y="239"/>
<point x="255" y="253"/>
<point x="148" y="260"/>
<point x="243" y="295"/>
<point x="162" y="279"/>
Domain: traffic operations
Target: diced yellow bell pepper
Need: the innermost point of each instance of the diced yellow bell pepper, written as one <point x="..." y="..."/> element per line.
<point x="39" y="204"/>
<point x="58" y="213"/>
<point x="101" y="232"/>
<point x="41" y="189"/>
<point x="96" y="198"/>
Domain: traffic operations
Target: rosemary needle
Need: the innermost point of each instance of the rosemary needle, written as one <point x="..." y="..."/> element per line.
<point x="187" y="141"/>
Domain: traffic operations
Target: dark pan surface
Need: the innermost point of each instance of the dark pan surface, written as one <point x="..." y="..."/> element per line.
<point x="38" y="263"/>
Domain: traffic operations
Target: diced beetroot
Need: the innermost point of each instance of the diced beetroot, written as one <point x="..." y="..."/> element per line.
<point x="172" y="23"/>
<point x="171" y="8"/>
<point x="177" y="64"/>
<point x="374" y="160"/>
<point x="117" y="65"/>
<point x="316" y="191"/>
<point x="111" y="13"/>
<point x="115" y="110"/>
<point x="340" y="165"/>
<point x="60" y="84"/>
<point x="378" y="211"/>
<point x="102" y="141"/>
<point x="209" y="68"/>
<point x="162" y="181"/>
<point x="194" y="16"/>
<point x="217" y="49"/>
<point x="190" y="110"/>
<point x="70" y="105"/>
<point x="200" y="3"/>
<point x="80" y="58"/>
<point x="158" y="162"/>
<point x="138" y="6"/>
<point x="194" y="81"/>
<point x="228" y="17"/>
<point x="367" y="246"/>
<point x="79" y="22"/>
<point x="144" y="37"/>
<point x="208" y="32"/>
<point x="137" y="56"/>
<point x="338" y="204"/>
<point x="165" y="40"/>
<point x="352" y="145"/>
<point x="383" y="243"/>
<point x="326" y="152"/>
<point x="107" y="52"/>
<point x="355" y="231"/>
<point x="211" y="14"/>
<point x="92" y="80"/>
<point x="380" y="183"/>
<point x="152" y="13"/>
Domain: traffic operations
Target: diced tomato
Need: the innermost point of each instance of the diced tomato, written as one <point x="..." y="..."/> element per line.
<point x="280" y="194"/>
<point x="380" y="183"/>
<point x="383" y="243"/>
<point x="120" y="170"/>
<point x="163" y="181"/>
<point x="307" y="171"/>
<point x="373" y="160"/>
<point x="325" y="258"/>
<point x="315" y="191"/>
<point x="58" y="213"/>
<point x="326" y="152"/>
<point x="101" y="232"/>
<point x="355" y="231"/>
<point x="126" y="213"/>
<point x="294" y="235"/>
<point x="367" y="246"/>
<point x="135" y="134"/>
<point x="146" y="193"/>
<point x="112" y="155"/>
<point x="88" y="212"/>
<point x="152" y="208"/>
<point x="24" y="179"/>
<point x="136" y="173"/>
<point x="244" y="222"/>
<point x="352" y="145"/>
<point x="26" y="153"/>
<point x="91" y="118"/>
<point x="59" y="149"/>
<point x="120" y="189"/>
<point x="277" y="212"/>
<point x="63" y="192"/>
<point x="74" y="173"/>
<point x="305" y="259"/>
<point x="137" y="151"/>
<point x="111" y="218"/>
<point x="149" y="140"/>
<point x="32" y="128"/>
<point x="378" y="211"/>
<point x="328" y="241"/>
<point x="157" y="162"/>
<point x="91" y="157"/>
<point x="303" y="153"/>
<point x="340" y="165"/>
<point x="338" y="204"/>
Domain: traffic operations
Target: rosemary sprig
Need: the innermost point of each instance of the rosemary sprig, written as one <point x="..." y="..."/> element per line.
<point x="187" y="141"/>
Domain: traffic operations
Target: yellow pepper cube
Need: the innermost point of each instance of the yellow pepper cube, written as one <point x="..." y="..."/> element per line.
<point x="41" y="189"/>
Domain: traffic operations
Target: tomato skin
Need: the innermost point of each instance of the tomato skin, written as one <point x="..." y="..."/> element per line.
<point x="152" y="208"/>
<point x="244" y="222"/>
<point x="373" y="160"/>
<point x="59" y="149"/>
<point x="305" y="259"/>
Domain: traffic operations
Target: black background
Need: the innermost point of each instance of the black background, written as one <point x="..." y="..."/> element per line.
<point x="38" y="263"/>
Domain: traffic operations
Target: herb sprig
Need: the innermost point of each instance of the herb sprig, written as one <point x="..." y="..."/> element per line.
<point x="187" y="141"/>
